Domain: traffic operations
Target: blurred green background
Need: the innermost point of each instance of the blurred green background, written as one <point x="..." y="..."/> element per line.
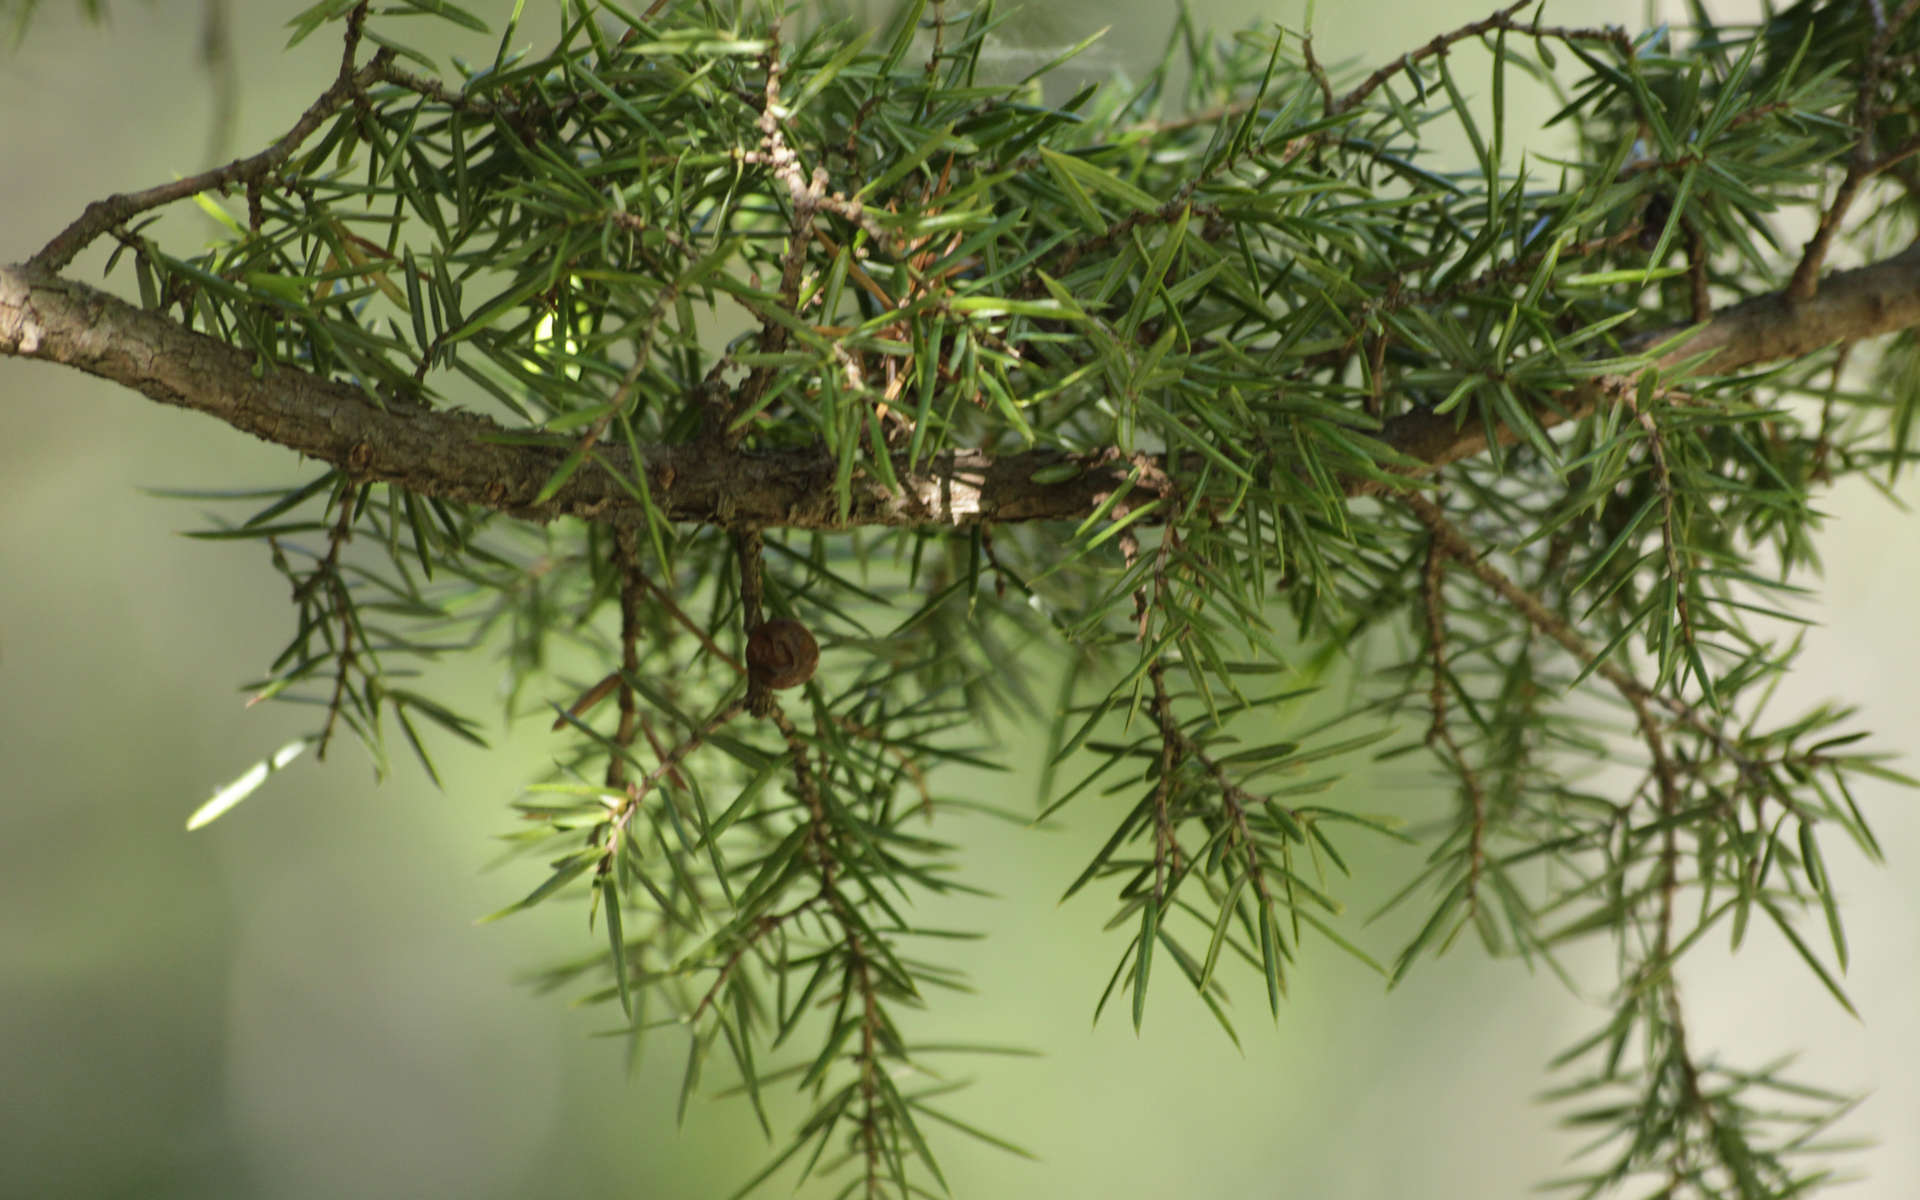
<point x="295" y="1002"/>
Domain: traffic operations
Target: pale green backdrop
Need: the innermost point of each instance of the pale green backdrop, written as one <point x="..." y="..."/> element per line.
<point x="296" y="1003"/>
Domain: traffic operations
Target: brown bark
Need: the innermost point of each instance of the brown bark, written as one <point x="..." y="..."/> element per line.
<point x="469" y="458"/>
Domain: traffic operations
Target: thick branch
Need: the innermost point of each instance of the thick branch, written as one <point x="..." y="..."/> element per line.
<point x="1851" y="306"/>
<point x="468" y="458"/>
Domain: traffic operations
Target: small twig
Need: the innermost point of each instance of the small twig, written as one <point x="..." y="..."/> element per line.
<point x="1638" y="696"/>
<point x="1817" y="469"/>
<point x="804" y="193"/>
<point x="627" y="559"/>
<point x="691" y="626"/>
<point x="1502" y="19"/>
<point x="328" y="573"/>
<point x="761" y="928"/>
<point x="809" y="792"/>
<point x="1448" y="538"/>
<point x="1861" y="164"/>
<point x="1669" y="534"/>
<point x="859" y="974"/>
<point x="588" y="699"/>
<point x="103" y="215"/>
<point x="1166" y="847"/>
<point x="1237" y="800"/>
<point x="660" y="751"/>
<point x="747" y="547"/>
<point x="671" y="763"/>
<point x="1438" y="732"/>
<point x="1700" y="301"/>
<point x="1173" y="743"/>
<point x="632" y="585"/>
<point x="1318" y="74"/>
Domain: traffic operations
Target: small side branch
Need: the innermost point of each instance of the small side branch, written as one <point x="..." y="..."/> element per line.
<point x="1864" y="162"/>
<point x="1439" y="733"/>
<point x="1677" y="564"/>
<point x="1448" y="538"/>
<point x="116" y="210"/>
<point x="627" y="561"/>
<point x="327" y="577"/>
<point x="1640" y="698"/>
<point x="1502" y="20"/>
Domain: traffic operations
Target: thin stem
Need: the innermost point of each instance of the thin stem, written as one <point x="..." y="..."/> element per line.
<point x="103" y="215"/>
<point x="1433" y="580"/>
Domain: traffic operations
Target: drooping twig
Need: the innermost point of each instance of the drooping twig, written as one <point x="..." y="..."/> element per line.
<point x="1639" y="697"/>
<point x="627" y="563"/>
<point x="327" y="577"/>
<point x="1439" y="732"/>
<point x="1677" y="563"/>
<point x="605" y="687"/>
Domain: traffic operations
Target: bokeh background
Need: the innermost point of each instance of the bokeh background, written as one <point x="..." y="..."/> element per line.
<point x="296" y="1002"/>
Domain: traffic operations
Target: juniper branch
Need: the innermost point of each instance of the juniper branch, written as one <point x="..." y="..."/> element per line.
<point x="463" y="456"/>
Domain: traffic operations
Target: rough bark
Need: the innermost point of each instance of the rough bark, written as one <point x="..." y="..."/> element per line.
<point x="466" y="457"/>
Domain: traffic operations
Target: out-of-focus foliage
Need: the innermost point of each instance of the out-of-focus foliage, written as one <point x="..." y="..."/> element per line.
<point x="15" y="14"/>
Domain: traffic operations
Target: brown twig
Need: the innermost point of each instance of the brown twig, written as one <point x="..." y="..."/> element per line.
<point x="1677" y="568"/>
<point x="1439" y="733"/>
<point x="1501" y="20"/>
<point x="327" y="574"/>
<point x="1861" y="164"/>
<point x="674" y="757"/>
<point x="804" y="193"/>
<point x="604" y="688"/>
<point x="1699" y="300"/>
<point x="1448" y="538"/>
<point x="761" y="928"/>
<point x="1640" y="698"/>
<point x="1166" y="846"/>
<point x="748" y="551"/>
<point x="103" y="215"/>
<point x="627" y="562"/>
<point x="1318" y="74"/>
